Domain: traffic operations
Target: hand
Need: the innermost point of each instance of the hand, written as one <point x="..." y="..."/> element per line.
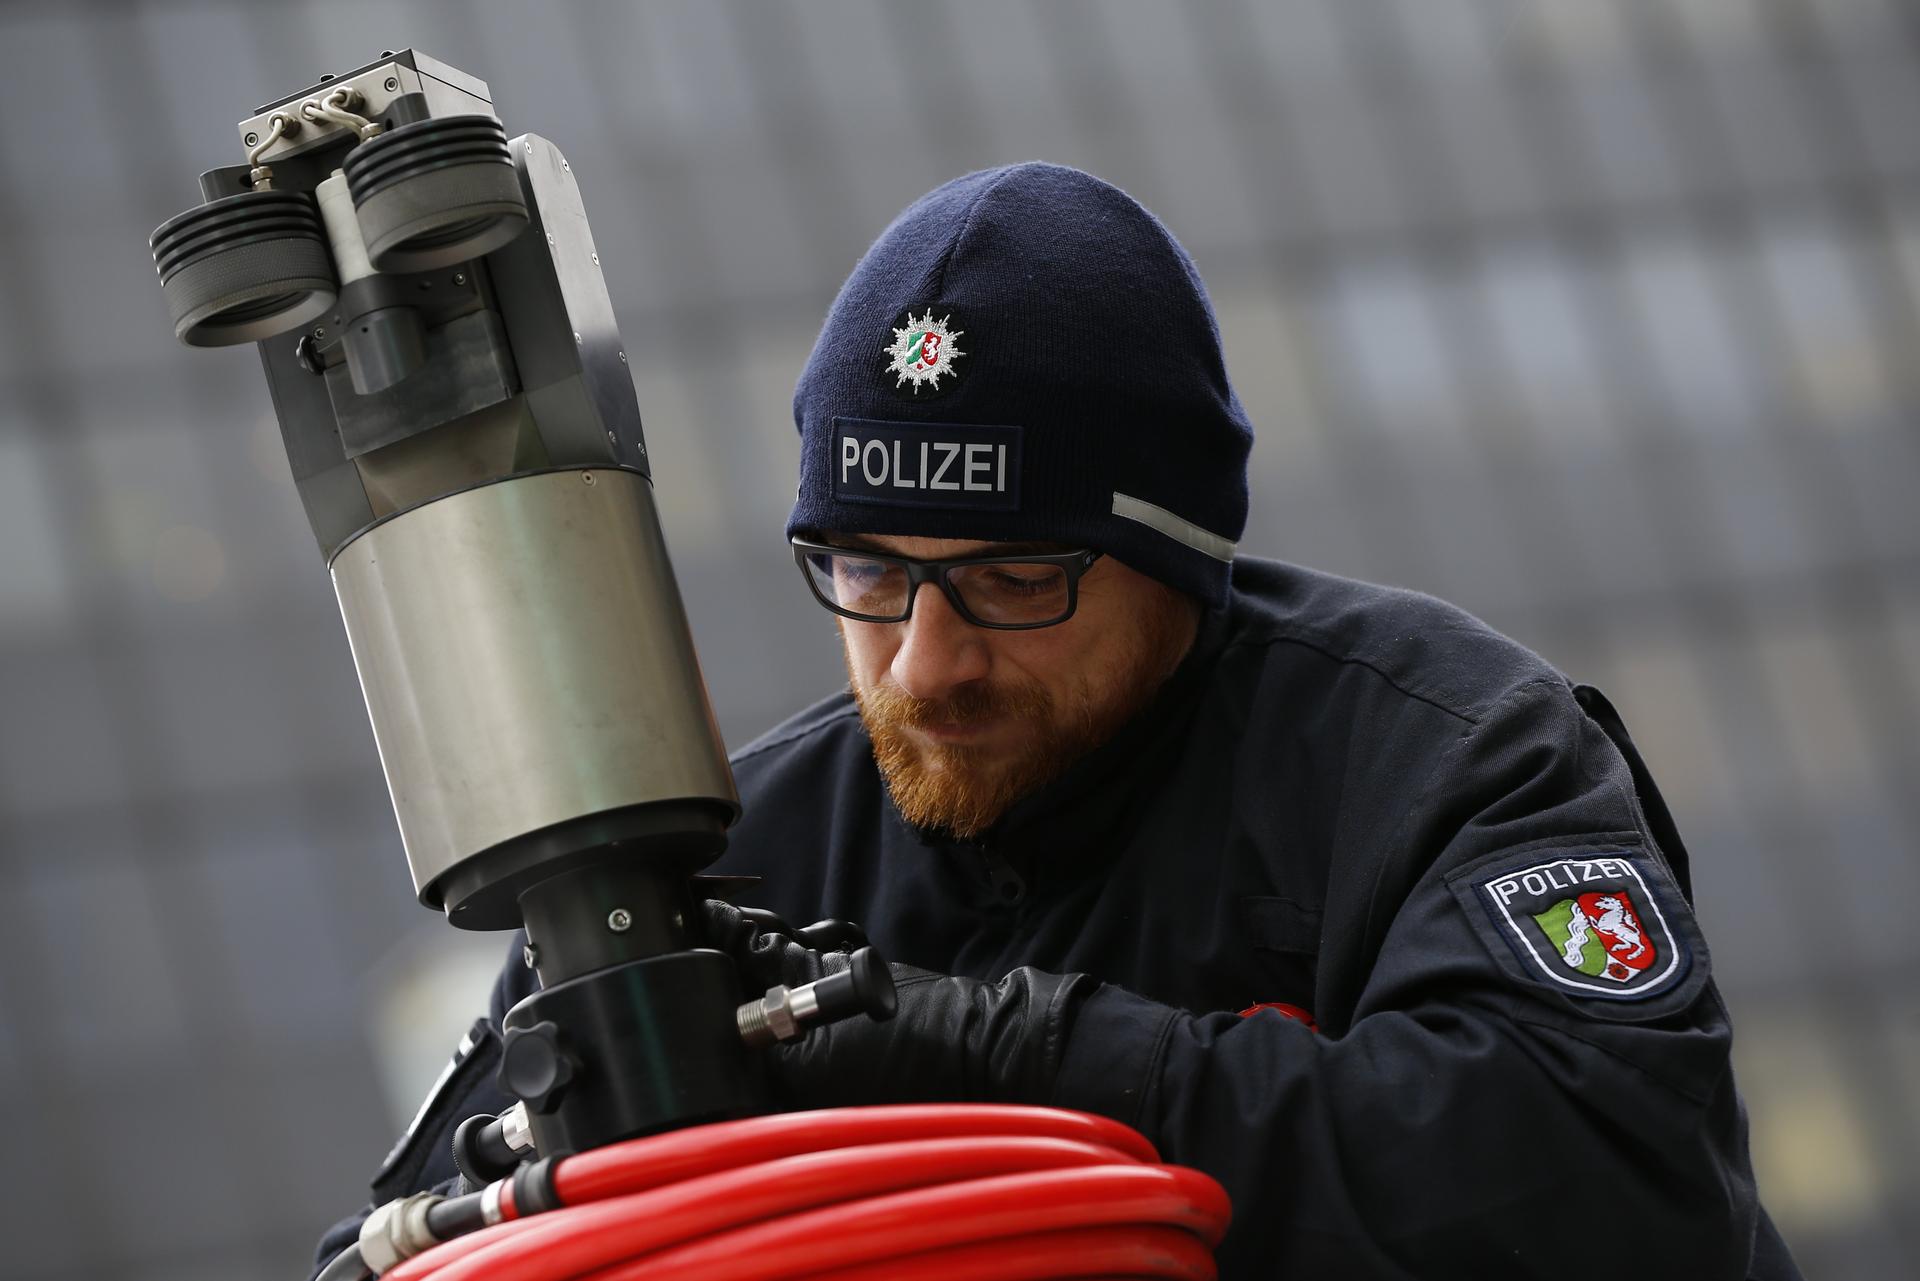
<point x="953" y="1040"/>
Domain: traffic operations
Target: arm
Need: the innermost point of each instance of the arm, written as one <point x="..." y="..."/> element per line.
<point x="1488" y="1102"/>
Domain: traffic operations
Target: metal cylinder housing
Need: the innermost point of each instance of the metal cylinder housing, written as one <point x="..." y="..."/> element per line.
<point x="527" y="664"/>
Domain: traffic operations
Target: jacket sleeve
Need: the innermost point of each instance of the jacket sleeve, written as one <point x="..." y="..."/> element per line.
<point x="422" y="1158"/>
<point x="1481" y="1114"/>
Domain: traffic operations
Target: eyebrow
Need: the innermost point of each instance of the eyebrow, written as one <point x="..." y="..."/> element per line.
<point x="861" y="543"/>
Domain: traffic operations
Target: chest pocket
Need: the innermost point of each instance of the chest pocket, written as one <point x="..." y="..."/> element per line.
<point x="1284" y="939"/>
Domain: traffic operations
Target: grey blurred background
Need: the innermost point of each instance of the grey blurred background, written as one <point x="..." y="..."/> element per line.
<point x="1599" y="319"/>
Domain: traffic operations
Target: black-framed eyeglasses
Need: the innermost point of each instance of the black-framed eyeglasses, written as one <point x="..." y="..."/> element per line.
<point x="1009" y="593"/>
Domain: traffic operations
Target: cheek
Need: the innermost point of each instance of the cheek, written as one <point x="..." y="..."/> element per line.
<point x="1054" y="658"/>
<point x="870" y="649"/>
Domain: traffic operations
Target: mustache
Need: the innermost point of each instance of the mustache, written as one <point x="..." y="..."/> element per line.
<point x="965" y="706"/>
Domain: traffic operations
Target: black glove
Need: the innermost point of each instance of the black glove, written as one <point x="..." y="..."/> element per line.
<point x="954" y="1040"/>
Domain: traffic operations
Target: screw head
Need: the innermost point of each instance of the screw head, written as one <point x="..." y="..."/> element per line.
<point x="596" y="259"/>
<point x="459" y="277"/>
<point x="393" y="82"/>
<point x="577" y="339"/>
<point x="619" y="920"/>
<point x="623" y="357"/>
<point x="530" y="954"/>
<point x="319" y="332"/>
<point x="587" y="476"/>
<point x="253" y="139"/>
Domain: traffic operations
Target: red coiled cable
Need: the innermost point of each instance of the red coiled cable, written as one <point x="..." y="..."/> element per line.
<point x="931" y="1192"/>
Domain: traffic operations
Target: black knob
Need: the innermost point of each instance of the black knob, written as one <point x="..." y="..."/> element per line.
<point x="535" y="1067"/>
<point x="864" y="987"/>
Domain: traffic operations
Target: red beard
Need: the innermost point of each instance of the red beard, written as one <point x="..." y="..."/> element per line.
<point x="963" y="789"/>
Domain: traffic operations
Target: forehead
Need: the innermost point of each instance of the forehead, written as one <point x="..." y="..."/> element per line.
<point x="938" y="548"/>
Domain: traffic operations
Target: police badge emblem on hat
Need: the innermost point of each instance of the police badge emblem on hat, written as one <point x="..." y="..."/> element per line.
<point x="923" y="351"/>
<point x="1589" y="924"/>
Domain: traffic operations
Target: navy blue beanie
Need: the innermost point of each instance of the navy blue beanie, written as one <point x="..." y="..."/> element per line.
<point x="1027" y="354"/>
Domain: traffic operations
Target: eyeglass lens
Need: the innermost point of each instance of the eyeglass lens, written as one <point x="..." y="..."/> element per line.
<point x="993" y="591"/>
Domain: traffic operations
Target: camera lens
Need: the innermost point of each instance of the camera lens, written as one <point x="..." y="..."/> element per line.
<point x="243" y="268"/>
<point x="435" y="193"/>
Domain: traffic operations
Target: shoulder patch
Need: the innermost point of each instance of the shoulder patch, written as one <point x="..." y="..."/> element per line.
<point x="1595" y="923"/>
<point x="1590" y="924"/>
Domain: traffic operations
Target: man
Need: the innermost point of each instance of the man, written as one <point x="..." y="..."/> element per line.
<point x="1330" y="890"/>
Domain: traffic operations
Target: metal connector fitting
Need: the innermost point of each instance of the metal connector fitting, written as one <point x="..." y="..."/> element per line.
<point x="863" y="986"/>
<point x="397" y="1230"/>
<point x="516" y="1131"/>
<point x="490" y="1211"/>
<point x="781" y="1015"/>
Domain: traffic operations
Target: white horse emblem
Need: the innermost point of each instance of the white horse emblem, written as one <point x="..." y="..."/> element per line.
<point x="1617" y="919"/>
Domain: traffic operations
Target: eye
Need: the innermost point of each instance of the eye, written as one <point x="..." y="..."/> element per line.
<point x="863" y="573"/>
<point x="1023" y="580"/>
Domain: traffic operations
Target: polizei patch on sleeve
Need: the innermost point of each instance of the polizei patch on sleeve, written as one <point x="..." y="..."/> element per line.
<point x="1591" y="924"/>
<point x="926" y="464"/>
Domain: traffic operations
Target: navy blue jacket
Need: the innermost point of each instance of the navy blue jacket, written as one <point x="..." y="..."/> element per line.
<point x="1501" y="1036"/>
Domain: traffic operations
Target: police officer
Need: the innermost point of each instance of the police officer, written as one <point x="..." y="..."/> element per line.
<point x="1329" y="889"/>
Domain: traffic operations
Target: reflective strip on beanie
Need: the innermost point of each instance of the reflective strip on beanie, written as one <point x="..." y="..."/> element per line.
<point x="1174" y="527"/>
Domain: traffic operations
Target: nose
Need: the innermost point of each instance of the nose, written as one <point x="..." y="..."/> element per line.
<point x="940" y="650"/>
